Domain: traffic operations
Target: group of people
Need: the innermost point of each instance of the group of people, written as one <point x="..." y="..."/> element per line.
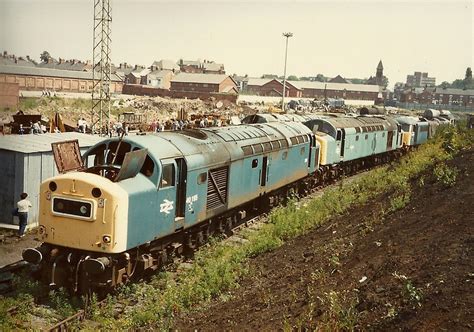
<point x="175" y="124"/>
<point x="119" y="128"/>
<point x="35" y="128"/>
<point x="48" y="93"/>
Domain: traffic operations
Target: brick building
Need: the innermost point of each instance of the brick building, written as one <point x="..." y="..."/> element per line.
<point x="273" y="87"/>
<point x="312" y="89"/>
<point x="448" y="96"/>
<point x="440" y="96"/>
<point x="201" y="67"/>
<point x="419" y="79"/>
<point x="33" y="78"/>
<point x="158" y="78"/>
<point x="9" y="94"/>
<point x="206" y="83"/>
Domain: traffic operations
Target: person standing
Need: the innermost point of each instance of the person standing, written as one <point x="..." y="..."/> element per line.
<point x="23" y="209"/>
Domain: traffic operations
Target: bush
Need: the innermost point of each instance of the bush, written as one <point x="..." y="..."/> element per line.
<point x="445" y="175"/>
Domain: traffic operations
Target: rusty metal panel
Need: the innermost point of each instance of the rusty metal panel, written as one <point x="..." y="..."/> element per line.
<point x="132" y="164"/>
<point x="67" y="156"/>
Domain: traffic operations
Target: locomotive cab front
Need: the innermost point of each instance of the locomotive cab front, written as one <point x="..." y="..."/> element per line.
<point x="83" y="211"/>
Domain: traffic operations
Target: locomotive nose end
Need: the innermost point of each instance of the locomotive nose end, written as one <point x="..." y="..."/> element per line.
<point x="33" y="256"/>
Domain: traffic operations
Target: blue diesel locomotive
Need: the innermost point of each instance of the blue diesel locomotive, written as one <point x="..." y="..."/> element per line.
<point x="131" y="202"/>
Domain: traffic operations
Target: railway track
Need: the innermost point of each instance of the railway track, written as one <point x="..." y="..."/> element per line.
<point x="7" y="274"/>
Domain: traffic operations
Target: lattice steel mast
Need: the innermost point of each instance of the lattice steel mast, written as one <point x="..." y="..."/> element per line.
<point x="101" y="67"/>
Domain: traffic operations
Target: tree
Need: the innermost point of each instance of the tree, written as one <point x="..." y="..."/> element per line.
<point x="445" y="85"/>
<point x="458" y="84"/>
<point x="468" y="74"/>
<point x="358" y="80"/>
<point x="293" y="78"/>
<point x="45" y="56"/>
<point x="385" y="82"/>
<point x="468" y="78"/>
<point x="321" y="78"/>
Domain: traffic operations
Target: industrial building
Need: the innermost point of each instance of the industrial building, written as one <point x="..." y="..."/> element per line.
<point x="207" y="83"/>
<point x="27" y="160"/>
<point x="34" y="78"/>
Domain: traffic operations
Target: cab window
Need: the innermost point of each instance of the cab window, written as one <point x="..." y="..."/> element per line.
<point x="167" y="177"/>
<point x="123" y="148"/>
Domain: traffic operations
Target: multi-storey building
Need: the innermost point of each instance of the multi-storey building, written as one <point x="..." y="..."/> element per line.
<point x="420" y="80"/>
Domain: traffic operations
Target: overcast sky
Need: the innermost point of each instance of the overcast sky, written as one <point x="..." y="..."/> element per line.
<point x="330" y="37"/>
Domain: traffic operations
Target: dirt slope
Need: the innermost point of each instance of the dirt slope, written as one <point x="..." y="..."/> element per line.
<point x="412" y="269"/>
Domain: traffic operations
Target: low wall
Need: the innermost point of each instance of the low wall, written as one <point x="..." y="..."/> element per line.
<point x="142" y="90"/>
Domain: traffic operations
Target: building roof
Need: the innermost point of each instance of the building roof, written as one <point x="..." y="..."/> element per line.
<point x="380" y="65"/>
<point x="450" y="91"/>
<point x="212" y="66"/>
<point x="11" y="61"/>
<point x="258" y="81"/>
<point x="66" y="65"/>
<point x="34" y="143"/>
<point x="200" y="78"/>
<point x="166" y="65"/>
<point x="335" y="86"/>
<point x="194" y="63"/>
<point x="35" y="71"/>
<point x="159" y="73"/>
<point x="338" y="79"/>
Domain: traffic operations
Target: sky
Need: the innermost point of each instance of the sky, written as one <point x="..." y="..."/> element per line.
<point x="329" y="37"/>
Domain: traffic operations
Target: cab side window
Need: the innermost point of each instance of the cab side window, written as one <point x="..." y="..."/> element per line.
<point x="167" y="178"/>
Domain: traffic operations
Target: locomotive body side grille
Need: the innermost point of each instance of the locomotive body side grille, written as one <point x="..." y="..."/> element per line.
<point x="217" y="182"/>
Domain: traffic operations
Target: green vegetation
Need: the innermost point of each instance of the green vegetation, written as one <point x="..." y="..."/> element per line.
<point x="466" y="83"/>
<point x="447" y="176"/>
<point x="413" y="294"/>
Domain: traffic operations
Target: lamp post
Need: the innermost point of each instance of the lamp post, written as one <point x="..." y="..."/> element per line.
<point x="287" y="35"/>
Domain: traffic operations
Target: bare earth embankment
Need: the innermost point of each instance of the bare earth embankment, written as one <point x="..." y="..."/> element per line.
<point x="411" y="269"/>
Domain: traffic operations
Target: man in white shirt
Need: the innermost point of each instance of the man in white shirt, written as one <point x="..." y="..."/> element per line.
<point x="23" y="209"/>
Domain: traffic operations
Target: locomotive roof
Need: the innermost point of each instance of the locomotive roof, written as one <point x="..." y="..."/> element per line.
<point x="217" y="145"/>
<point x="410" y="120"/>
<point x="272" y="117"/>
<point x="368" y="123"/>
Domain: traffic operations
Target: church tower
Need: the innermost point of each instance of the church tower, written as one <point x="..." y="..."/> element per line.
<point x="379" y="75"/>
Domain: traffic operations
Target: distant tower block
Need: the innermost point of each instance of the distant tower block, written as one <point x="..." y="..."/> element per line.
<point x="379" y="75"/>
<point x="100" y="116"/>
